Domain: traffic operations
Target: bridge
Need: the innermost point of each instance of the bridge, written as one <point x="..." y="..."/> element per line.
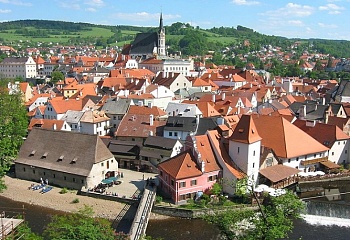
<point x="139" y="224"/>
<point x="8" y="225"/>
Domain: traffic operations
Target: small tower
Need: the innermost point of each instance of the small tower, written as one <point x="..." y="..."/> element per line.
<point x="244" y="147"/>
<point x="161" y="37"/>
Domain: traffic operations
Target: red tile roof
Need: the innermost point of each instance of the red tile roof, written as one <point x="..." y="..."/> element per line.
<point x="286" y="139"/>
<point x="181" y="166"/>
<point x="245" y="131"/>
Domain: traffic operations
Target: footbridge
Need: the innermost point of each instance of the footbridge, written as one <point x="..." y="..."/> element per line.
<point x="139" y="224"/>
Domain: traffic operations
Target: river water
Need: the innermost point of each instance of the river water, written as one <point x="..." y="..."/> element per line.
<point x="313" y="227"/>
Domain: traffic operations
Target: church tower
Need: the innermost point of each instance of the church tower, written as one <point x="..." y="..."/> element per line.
<point x="161" y="37"/>
<point x="244" y="147"/>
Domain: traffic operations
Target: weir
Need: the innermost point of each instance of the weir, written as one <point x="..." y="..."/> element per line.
<point x="328" y="209"/>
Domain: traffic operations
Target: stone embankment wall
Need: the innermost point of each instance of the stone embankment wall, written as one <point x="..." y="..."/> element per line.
<point x="189" y="213"/>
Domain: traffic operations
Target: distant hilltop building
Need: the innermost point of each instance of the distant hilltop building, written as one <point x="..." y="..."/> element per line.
<point x="147" y="45"/>
<point x="148" y="51"/>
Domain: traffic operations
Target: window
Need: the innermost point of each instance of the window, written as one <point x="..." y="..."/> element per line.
<point x="102" y="164"/>
<point x="338" y="143"/>
<point x="161" y="173"/>
<point x="172" y="183"/>
<point x="297" y="158"/>
<point x="65" y="178"/>
<point x="33" y="171"/>
<point x="254" y="153"/>
<point x="212" y="178"/>
<point x="289" y="160"/>
<point x="54" y="175"/>
<point x="24" y="169"/>
<point x="269" y="161"/>
<point x="170" y="134"/>
<point x="346" y="151"/>
<point x="175" y="134"/>
<point x="193" y="182"/>
<point x="332" y="153"/>
<point x="182" y="184"/>
<point x="238" y="150"/>
<point x="82" y="181"/>
<point x="73" y="179"/>
<point x="182" y="197"/>
<point x="114" y="118"/>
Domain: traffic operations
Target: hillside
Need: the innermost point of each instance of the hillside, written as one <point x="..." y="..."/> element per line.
<point x="180" y="37"/>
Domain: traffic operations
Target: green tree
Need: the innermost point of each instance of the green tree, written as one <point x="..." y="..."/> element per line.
<point x="80" y="225"/>
<point x="13" y="128"/>
<point x="23" y="232"/>
<point x="273" y="221"/>
<point x="56" y="76"/>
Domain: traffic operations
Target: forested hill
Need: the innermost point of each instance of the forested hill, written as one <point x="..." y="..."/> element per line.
<point x="179" y="36"/>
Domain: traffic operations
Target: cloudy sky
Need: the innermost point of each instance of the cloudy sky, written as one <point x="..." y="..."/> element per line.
<point x="328" y="19"/>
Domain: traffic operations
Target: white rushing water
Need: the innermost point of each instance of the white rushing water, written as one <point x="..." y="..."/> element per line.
<point x="326" y="221"/>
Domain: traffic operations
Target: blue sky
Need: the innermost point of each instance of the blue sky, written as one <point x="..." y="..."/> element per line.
<point x="328" y="19"/>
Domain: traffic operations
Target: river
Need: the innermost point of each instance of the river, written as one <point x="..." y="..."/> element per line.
<point x="314" y="227"/>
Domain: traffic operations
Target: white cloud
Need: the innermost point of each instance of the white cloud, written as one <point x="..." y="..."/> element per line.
<point x="290" y="10"/>
<point x="323" y="25"/>
<point x="245" y="2"/>
<point x="73" y="4"/>
<point x="5" y="11"/>
<point x="143" y="16"/>
<point x="295" y="23"/>
<point x="15" y="2"/>
<point x="96" y="3"/>
<point x="90" y="9"/>
<point x="331" y="8"/>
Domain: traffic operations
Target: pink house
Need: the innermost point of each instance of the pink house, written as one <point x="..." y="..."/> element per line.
<point x="191" y="172"/>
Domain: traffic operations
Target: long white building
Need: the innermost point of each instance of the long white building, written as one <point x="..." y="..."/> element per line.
<point x="24" y="67"/>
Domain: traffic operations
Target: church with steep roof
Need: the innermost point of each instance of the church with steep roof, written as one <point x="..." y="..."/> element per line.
<point x="148" y="45"/>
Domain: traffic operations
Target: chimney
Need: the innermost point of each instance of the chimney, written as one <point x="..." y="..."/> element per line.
<point x="326" y="117"/>
<point x="202" y="166"/>
<point x="302" y="112"/>
<point x="151" y="120"/>
<point x="150" y="133"/>
<point x="311" y="123"/>
<point x="213" y="98"/>
<point x="54" y="127"/>
<point x="223" y="95"/>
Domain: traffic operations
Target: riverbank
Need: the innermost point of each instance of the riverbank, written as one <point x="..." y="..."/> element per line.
<point x="17" y="190"/>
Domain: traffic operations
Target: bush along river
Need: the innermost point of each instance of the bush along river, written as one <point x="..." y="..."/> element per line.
<point x="310" y="227"/>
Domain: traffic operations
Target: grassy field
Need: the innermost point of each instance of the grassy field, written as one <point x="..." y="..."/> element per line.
<point x="10" y="35"/>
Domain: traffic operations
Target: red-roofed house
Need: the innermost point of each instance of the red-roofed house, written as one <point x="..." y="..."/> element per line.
<point x="192" y="172"/>
<point x="330" y="136"/>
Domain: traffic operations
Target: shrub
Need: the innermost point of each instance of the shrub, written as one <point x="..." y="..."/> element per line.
<point x="63" y="191"/>
<point x="159" y="199"/>
<point x="76" y="200"/>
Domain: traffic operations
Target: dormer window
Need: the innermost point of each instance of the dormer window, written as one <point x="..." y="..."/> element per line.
<point x="74" y="160"/>
<point x="32" y="153"/>
<point x="60" y="158"/>
<point x="45" y="155"/>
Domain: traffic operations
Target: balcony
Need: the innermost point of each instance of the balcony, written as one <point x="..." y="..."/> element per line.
<point x="313" y="161"/>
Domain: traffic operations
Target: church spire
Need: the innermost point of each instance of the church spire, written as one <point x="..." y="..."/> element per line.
<point x="161" y="22"/>
<point x="161" y="37"/>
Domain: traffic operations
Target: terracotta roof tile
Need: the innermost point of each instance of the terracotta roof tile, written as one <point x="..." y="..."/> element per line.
<point x="286" y="139"/>
<point x="245" y="131"/>
<point x="181" y="166"/>
<point x="278" y="172"/>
